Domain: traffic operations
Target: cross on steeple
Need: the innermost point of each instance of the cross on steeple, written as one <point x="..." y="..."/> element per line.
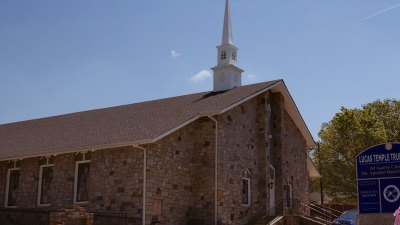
<point x="226" y="74"/>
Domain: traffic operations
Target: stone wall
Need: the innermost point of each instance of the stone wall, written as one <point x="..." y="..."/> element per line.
<point x="116" y="181"/>
<point x="294" y="161"/>
<point x="242" y="145"/>
<point x="180" y="174"/>
<point x="288" y="153"/>
<point x="276" y="154"/>
<point x="63" y="180"/>
<point x="3" y="178"/>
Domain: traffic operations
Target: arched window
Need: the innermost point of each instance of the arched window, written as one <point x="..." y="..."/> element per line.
<point x="246" y="187"/>
<point x="289" y="195"/>
<point x="223" y="55"/>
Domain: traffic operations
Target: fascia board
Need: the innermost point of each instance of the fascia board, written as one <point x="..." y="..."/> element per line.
<point x="74" y="150"/>
<point x="294" y="113"/>
<point x="249" y="97"/>
<point x="174" y="129"/>
<point x="312" y="169"/>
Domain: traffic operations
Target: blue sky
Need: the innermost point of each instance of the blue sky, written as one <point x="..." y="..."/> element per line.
<point x="59" y="57"/>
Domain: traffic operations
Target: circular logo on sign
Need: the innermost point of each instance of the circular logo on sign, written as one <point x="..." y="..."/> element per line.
<point x="389" y="146"/>
<point x="391" y="193"/>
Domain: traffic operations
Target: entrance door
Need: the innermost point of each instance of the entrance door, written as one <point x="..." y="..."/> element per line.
<point x="271" y="186"/>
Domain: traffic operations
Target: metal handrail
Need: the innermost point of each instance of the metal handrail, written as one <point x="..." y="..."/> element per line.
<point x="328" y="208"/>
<point x="278" y="205"/>
<point x="324" y="211"/>
<point x="322" y="214"/>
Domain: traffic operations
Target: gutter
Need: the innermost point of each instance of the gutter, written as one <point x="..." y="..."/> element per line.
<point x="144" y="182"/>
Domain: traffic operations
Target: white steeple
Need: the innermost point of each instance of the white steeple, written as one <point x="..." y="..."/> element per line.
<point x="227" y="33"/>
<point x="226" y="74"/>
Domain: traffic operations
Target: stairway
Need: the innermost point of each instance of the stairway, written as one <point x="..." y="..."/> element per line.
<point x="300" y="213"/>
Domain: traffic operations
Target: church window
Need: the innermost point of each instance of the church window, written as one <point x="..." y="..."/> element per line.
<point x="45" y="181"/>
<point x="233" y="56"/>
<point x="289" y="195"/>
<point x="12" y="187"/>
<point x="82" y="173"/>
<point x="223" y="55"/>
<point x="246" y="187"/>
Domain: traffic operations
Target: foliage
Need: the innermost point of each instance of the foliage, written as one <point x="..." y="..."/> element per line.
<point x="388" y="111"/>
<point x="350" y="132"/>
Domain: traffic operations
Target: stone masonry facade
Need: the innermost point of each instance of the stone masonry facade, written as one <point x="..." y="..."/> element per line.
<point x="180" y="169"/>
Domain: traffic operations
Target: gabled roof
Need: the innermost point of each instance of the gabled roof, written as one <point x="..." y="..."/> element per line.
<point x="132" y="124"/>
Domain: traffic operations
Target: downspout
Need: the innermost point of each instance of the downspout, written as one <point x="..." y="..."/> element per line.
<point x="216" y="171"/>
<point x="144" y="182"/>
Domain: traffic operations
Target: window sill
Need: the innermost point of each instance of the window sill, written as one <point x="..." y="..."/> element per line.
<point x="81" y="203"/>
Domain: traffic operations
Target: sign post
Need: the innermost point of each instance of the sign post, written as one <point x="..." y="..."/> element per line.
<point x="378" y="179"/>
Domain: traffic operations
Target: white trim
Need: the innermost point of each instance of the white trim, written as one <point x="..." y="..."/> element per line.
<point x="8" y="186"/>
<point x="274" y="171"/>
<point x="144" y="185"/>
<point x="294" y="113"/>
<point x="144" y="182"/>
<point x="76" y="181"/>
<point x="175" y="129"/>
<point x="272" y="190"/>
<point x="313" y="172"/>
<point x="245" y="170"/>
<point x="248" y="191"/>
<point x="75" y="150"/>
<point x="250" y="97"/>
<point x="290" y="200"/>
<point x="39" y="194"/>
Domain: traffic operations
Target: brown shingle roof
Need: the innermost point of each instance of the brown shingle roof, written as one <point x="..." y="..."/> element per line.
<point x="122" y="124"/>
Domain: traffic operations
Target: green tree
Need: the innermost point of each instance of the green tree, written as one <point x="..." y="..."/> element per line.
<point x="388" y="111"/>
<point x="345" y="136"/>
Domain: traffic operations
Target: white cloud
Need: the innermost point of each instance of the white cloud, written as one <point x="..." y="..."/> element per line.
<point x="251" y="76"/>
<point x="175" y="54"/>
<point x="201" y="76"/>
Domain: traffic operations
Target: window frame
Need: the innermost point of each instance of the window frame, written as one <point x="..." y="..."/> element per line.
<point x="8" y="186"/>
<point x="39" y="195"/>
<point x="246" y="175"/>
<point x="76" y="182"/>
<point x="223" y="55"/>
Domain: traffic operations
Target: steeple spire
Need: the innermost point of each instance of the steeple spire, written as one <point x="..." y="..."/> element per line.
<point x="227" y="74"/>
<point x="227" y="33"/>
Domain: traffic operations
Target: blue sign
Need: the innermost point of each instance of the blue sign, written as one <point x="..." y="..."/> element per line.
<point x="378" y="179"/>
<point x="390" y="194"/>
<point x="378" y="162"/>
<point x="368" y="195"/>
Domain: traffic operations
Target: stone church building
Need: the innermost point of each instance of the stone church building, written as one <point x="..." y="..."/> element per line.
<point x="224" y="156"/>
